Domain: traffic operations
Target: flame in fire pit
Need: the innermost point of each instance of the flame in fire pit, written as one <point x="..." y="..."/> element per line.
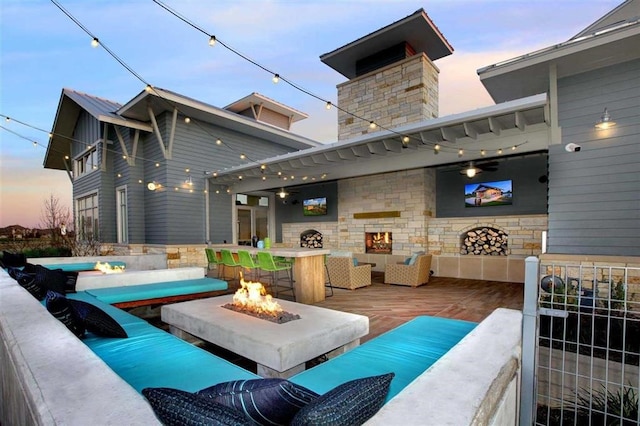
<point x="253" y="296"/>
<point x="105" y="268"/>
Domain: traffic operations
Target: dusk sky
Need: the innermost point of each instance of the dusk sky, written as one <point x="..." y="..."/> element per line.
<point x="43" y="51"/>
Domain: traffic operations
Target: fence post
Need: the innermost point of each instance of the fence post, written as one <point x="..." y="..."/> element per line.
<point x="529" y="331"/>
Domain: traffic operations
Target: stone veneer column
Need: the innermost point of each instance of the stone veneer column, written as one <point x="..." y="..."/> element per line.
<point x="411" y="192"/>
<point x="401" y="93"/>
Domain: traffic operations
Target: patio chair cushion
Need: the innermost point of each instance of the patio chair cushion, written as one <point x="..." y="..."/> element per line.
<point x="350" y="403"/>
<point x="178" y="407"/>
<point x="265" y="401"/>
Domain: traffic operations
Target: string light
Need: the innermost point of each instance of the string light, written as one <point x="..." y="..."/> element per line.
<point x="218" y="141"/>
<point x="187" y="120"/>
<point x="276" y="78"/>
<point x="328" y="106"/>
<point x="500" y="151"/>
<point x="460" y="152"/>
<point x="212" y="41"/>
<point x="242" y="156"/>
<point x="95" y="42"/>
<point x="372" y="125"/>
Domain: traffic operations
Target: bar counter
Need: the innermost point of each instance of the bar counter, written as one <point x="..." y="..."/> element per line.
<point x="308" y="270"/>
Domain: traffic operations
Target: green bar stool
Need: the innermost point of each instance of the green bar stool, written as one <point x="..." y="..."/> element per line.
<point x="249" y="263"/>
<point x="214" y="261"/>
<point x="268" y="264"/>
<point x="229" y="261"/>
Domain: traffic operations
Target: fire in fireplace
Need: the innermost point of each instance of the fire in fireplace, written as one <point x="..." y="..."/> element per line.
<point x="378" y="242"/>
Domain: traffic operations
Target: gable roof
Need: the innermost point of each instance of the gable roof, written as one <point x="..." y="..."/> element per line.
<point x="611" y="40"/>
<point x="71" y="103"/>
<point x="160" y="100"/>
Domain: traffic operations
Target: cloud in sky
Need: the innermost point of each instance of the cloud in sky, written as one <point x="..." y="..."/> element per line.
<point x="43" y="52"/>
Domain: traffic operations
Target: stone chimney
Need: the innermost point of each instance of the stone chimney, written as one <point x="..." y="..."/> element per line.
<point x="392" y="78"/>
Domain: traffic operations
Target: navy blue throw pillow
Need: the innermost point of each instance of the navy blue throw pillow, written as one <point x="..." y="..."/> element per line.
<point x="265" y="401"/>
<point x="13" y="259"/>
<point x="351" y="403"/>
<point x="61" y="309"/>
<point x="51" y="280"/>
<point x="29" y="283"/>
<point x="178" y="407"/>
<point x="96" y="320"/>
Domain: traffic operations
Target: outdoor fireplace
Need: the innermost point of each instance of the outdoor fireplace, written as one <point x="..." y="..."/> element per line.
<point x="311" y="239"/>
<point x="484" y="241"/>
<point x="378" y="242"/>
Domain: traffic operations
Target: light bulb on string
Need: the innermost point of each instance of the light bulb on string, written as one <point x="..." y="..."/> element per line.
<point x="95" y="42"/>
<point x="328" y="106"/>
<point x="276" y="78"/>
<point x="212" y="41"/>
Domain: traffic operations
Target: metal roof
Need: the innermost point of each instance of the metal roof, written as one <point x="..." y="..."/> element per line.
<point x="416" y="29"/>
<point x="258" y="99"/>
<point x="161" y="100"/>
<point x="529" y="74"/>
<point x="522" y="123"/>
<point x="69" y="107"/>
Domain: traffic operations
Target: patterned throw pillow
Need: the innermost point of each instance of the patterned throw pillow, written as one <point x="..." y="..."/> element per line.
<point x="351" y="403"/>
<point x="61" y="309"/>
<point x="96" y="320"/>
<point x="177" y="407"/>
<point x="51" y="280"/>
<point x="28" y="282"/>
<point x="265" y="401"/>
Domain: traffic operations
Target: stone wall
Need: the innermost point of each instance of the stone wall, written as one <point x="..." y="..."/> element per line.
<point x="403" y="92"/>
<point x="411" y="194"/>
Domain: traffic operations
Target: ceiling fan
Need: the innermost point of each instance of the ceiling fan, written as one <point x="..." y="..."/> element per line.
<point x="471" y="169"/>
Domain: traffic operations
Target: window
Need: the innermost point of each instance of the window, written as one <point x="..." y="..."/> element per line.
<point x="122" y="222"/>
<point x="87" y="208"/>
<point x="86" y="163"/>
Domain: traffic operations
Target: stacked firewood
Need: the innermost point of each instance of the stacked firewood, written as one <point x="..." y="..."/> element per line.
<point x="485" y="241"/>
<point x="311" y="239"/>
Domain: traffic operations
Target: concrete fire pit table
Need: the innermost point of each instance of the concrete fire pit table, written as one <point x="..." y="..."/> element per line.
<point x="280" y="350"/>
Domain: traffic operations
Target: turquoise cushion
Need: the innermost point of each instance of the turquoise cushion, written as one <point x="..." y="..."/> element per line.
<point x="151" y="357"/>
<point x="355" y="262"/>
<point x="407" y="351"/>
<point x="80" y="266"/>
<point x="157" y="290"/>
<point x="407" y="260"/>
<point x="412" y="259"/>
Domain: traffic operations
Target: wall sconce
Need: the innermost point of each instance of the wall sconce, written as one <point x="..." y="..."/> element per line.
<point x="282" y="194"/>
<point x="152" y="186"/>
<point x="605" y="121"/>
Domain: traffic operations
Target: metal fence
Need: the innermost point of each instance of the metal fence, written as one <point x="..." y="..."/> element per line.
<point x="584" y="332"/>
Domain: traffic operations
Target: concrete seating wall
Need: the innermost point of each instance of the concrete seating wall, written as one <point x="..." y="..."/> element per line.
<point x="42" y="384"/>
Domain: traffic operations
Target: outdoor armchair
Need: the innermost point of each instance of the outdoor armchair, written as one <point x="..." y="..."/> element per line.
<point x="344" y="274"/>
<point x="411" y="275"/>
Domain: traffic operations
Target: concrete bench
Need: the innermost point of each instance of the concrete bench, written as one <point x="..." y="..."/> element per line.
<point x="132" y="296"/>
<point x="51" y="377"/>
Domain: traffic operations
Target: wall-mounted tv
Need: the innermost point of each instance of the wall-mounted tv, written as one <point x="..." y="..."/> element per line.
<point x="314" y="206"/>
<point x="487" y="194"/>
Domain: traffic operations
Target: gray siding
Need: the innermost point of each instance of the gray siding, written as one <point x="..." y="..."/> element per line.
<point x="177" y="216"/>
<point x="594" y="194"/>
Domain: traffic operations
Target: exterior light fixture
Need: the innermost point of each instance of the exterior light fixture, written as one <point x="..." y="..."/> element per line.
<point x="500" y="151"/>
<point x="152" y="186"/>
<point x="605" y="121"/>
<point x="372" y="125"/>
<point x="276" y="78"/>
<point x="328" y="106"/>
<point x="218" y="141"/>
<point x="187" y="120"/>
<point x="282" y="194"/>
<point x="460" y="152"/>
<point x="212" y="41"/>
<point x="242" y="156"/>
<point x="95" y="42"/>
<point x="470" y="171"/>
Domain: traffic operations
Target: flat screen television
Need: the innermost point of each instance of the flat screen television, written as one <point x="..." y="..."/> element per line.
<point x="314" y="206"/>
<point x="487" y="194"/>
